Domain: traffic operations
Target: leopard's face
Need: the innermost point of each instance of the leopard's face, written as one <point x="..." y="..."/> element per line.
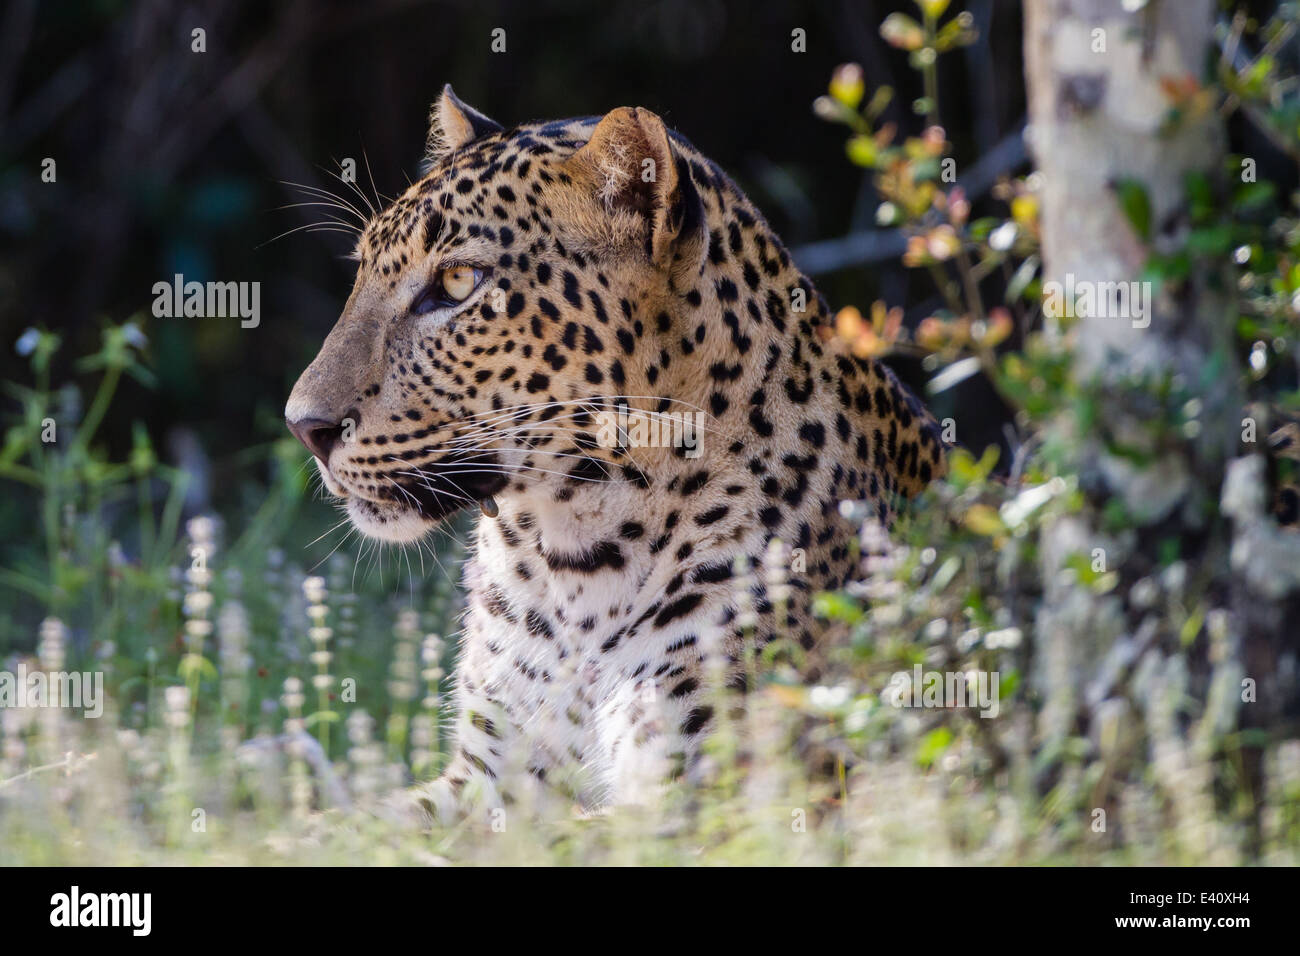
<point x="489" y="318"/>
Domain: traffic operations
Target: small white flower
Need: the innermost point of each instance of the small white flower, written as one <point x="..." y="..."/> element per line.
<point x="177" y="698"/>
<point x="936" y="629"/>
<point x="829" y="698"/>
<point x="1006" y="637"/>
<point x="313" y="589"/>
<point x="200" y="528"/>
<point x="1003" y="237"/>
<point x="198" y="628"/>
<point x="197" y="603"/>
<point x="134" y="337"/>
<point x="26" y="343"/>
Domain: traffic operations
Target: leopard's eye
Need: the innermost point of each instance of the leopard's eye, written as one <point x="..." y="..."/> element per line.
<point x="452" y="286"/>
<point x="460" y="281"/>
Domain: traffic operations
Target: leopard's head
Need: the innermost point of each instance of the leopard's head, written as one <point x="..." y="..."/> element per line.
<point x="496" y="304"/>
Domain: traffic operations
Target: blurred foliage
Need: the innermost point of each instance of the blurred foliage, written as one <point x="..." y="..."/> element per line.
<point x="962" y="587"/>
<point x="228" y="662"/>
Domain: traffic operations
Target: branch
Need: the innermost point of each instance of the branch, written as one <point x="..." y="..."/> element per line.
<point x="875" y="245"/>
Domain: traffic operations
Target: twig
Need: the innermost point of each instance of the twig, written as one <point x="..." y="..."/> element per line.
<point x="67" y="763"/>
<point x="876" y="245"/>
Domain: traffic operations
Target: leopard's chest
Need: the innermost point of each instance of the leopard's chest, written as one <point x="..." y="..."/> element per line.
<point x="571" y="625"/>
<point x="586" y="620"/>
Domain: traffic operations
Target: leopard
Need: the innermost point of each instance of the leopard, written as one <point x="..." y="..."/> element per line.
<point x="540" y="297"/>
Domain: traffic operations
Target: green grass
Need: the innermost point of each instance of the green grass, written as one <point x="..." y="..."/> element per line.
<point x="189" y="765"/>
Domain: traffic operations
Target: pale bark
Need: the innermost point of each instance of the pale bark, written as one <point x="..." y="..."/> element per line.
<point x="1096" y="118"/>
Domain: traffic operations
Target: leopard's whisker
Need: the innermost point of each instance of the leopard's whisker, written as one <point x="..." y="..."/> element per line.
<point x="605" y="401"/>
<point x="341" y="222"/>
<point x="348" y="534"/>
<point x="424" y="479"/>
<point x="534" y="451"/>
<point x="309" y="227"/>
<point x="380" y="199"/>
<point x="647" y="418"/>
<point x="631" y="414"/>
<point x="327" y="194"/>
<point x="330" y="531"/>
<point x="507" y="471"/>
<point x="353" y="186"/>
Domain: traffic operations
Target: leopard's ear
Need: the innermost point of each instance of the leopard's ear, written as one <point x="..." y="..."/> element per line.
<point x="630" y="164"/>
<point x="452" y="124"/>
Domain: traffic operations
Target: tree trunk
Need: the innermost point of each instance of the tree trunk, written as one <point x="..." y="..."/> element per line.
<point x="1096" y="110"/>
<point x="1097" y="118"/>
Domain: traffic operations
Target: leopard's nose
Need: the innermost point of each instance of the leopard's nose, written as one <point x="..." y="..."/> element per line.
<point x="319" y="435"/>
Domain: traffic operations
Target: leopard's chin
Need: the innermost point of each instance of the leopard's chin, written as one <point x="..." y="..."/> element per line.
<point x="386" y="521"/>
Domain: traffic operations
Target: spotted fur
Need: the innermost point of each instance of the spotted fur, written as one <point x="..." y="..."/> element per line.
<point x="630" y="270"/>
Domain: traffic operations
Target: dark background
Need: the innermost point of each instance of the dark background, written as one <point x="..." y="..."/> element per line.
<point x="171" y="161"/>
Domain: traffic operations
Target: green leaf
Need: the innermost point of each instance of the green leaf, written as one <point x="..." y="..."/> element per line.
<point x="879" y="100"/>
<point x="1136" y="206"/>
<point x="933" y="9"/>
<point x="196" y="665"/>
<point x="901" y="31"/>
<point x="933" y="745"/>
<point x="1254" y="196"/>
<point x="1200" y="197"/>
<point x="947" y="571"/>
<point x="1191" y="627"/>
<point x="22" y="582"/>
<point x="16" y="442"/>
<point x="837" y="607"/>
<point x="957" y="32"/>
<point x="862" y="151"/>
<point x="1211" y="241"/>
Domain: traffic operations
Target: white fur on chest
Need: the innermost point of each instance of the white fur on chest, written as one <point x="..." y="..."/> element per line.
<point x="578" y="655"/>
